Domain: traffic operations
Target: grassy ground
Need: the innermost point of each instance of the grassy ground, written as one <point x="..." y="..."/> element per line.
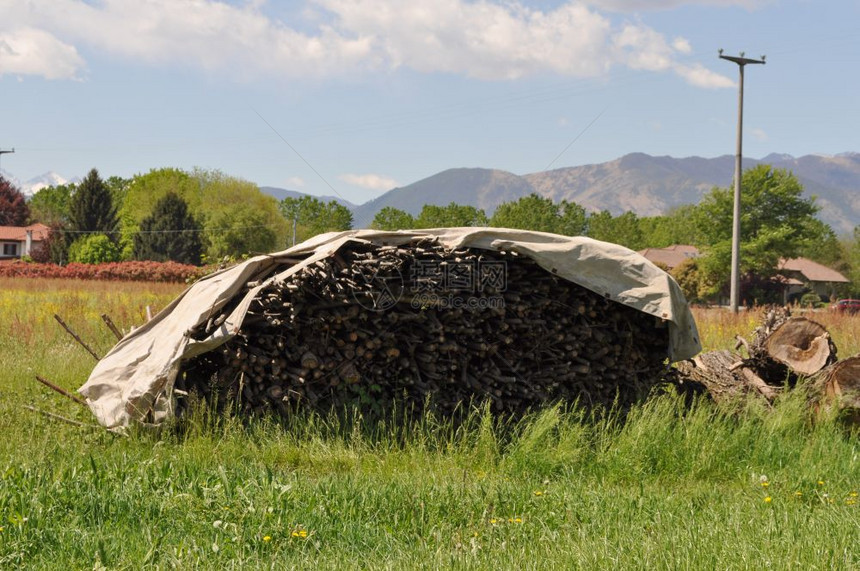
<point x="672" y="487"/>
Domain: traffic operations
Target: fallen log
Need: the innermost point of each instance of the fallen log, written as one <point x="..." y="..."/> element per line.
<point x="723" y="376"/>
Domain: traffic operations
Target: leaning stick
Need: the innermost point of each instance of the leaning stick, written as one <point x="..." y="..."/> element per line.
<point x="61" y="390"/>
<point x="61" y="418"/>
<point x="75" y="335"/>
<point x="109" y="322"/>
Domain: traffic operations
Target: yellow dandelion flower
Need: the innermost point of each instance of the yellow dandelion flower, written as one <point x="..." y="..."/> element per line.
<point x="295" y="534"/>
<point x="267" y="538"/>
<point x="518" y="520"/>
<point x="853" y="494"/>
<point x="494" y="521"/>
<point x="765" y="484"/>
<point x="768" y="499"/>
<point x="798" y="493"/>
<point x="538" y="492"/>
<point x="848" y="502"/>
<point x="303" y="533"/>
<point x="820" y="482"/>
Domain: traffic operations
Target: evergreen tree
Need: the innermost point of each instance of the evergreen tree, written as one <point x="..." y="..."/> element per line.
<point x="13" y="205"/>
<point x="170" y="232"/>
<point x="92" y="209"/>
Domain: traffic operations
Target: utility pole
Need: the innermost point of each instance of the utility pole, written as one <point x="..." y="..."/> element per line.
<point x="6" y="151"/>
<point x="734" y="296"/>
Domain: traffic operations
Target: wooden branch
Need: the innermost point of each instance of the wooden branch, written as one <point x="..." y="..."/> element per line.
<point x="62" y="418"/>
<point x="61" y="390"/>
<point x="109" y="322"/>
<point x="75" y="335"/>
<point x="758" y="383"/>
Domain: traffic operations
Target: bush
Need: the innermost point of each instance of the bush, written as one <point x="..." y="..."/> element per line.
<point x="812" y="300"/>
<point x="94" y="249"/>
<point x="117" y="271"/>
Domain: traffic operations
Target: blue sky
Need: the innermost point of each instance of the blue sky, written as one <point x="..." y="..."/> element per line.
<point x="354" y="97"/>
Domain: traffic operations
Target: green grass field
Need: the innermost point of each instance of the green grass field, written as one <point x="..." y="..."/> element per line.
<point x="672" y="487"/>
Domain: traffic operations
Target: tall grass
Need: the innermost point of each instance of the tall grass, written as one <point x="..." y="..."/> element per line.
<point x="673" y="485"/>
<point x="718" y="327"/>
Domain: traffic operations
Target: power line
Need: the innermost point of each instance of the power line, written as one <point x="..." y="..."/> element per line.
<point x="6" y="151"/>
<point x="298" y="154"/>
<point x="575" y="139"/>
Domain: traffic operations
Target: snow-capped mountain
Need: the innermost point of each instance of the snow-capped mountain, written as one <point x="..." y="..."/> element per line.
<point x="35" y="184"/>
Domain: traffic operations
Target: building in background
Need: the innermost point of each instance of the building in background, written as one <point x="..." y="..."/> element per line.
<point x="20" y="241"/>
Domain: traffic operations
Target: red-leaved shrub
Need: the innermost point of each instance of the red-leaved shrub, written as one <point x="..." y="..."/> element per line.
<point x="114" y="271"/>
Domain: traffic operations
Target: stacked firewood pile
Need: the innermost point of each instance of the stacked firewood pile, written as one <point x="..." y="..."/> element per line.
<point x="783" y="351"/>
<point x="372" y="326"/>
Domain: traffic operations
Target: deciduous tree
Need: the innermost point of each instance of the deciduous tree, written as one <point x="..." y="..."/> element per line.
<point x="50" y="205"/>
<point x="312" y="216"/>
<point x="453" y="215"/>
<point x="776" y="222"/>
<point x="622" y="229"/>
<point x="390" y="218"/>
<point x="13" y="205"/>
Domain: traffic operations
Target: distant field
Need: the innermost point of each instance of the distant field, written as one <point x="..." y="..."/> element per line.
<point x="673" y="487"/>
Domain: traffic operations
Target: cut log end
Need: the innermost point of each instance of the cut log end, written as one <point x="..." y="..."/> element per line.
<point x="803" y="345"/>
<point x="839" y="385"/>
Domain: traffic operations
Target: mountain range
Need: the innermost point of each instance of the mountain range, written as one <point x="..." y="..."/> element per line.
<point x="645" y="184"/>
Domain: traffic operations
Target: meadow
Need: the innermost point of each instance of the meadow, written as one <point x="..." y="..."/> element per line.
<point x="672" y="486"/>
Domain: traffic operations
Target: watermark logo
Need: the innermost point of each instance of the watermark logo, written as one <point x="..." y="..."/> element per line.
<point x="465" y="284"/>
<point x="463" y="277"/>
<point x="379" y="288"/>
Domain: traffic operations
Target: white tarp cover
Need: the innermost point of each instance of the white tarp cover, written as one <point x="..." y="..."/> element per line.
<point x="136" y="377"/>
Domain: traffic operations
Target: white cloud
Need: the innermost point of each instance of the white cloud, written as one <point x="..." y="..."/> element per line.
<point x="484" y="39"/>
<point x="371" y="181"/>
<point x="480" y="39"/>
<point x="29" y="51"/>
<point x="652" y="5"/>
<point x="296" y="182"/>
<point x="700" y="76"/>
<point x="681" y="45"/>
<point x="758" y="135"/>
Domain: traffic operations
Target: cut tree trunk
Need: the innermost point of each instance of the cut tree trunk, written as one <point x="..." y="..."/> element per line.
<point x="795" y="347"/>
<point x="839" y="385"/>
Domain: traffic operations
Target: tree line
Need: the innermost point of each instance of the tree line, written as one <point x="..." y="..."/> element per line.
<point x="205" y="216"/>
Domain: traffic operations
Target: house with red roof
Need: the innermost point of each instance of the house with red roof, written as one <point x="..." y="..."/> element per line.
<point x="19" y="241"/>
<point x="811" y="275"/>
<point x="798" y="275"/>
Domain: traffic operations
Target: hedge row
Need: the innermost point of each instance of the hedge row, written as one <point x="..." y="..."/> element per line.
<point x="113" y="271"/>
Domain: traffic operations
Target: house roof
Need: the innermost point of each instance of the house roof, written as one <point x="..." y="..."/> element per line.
<point x="671" y="256"/>
<point x="812" y="271"/>
<point x="19" y="233"/>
